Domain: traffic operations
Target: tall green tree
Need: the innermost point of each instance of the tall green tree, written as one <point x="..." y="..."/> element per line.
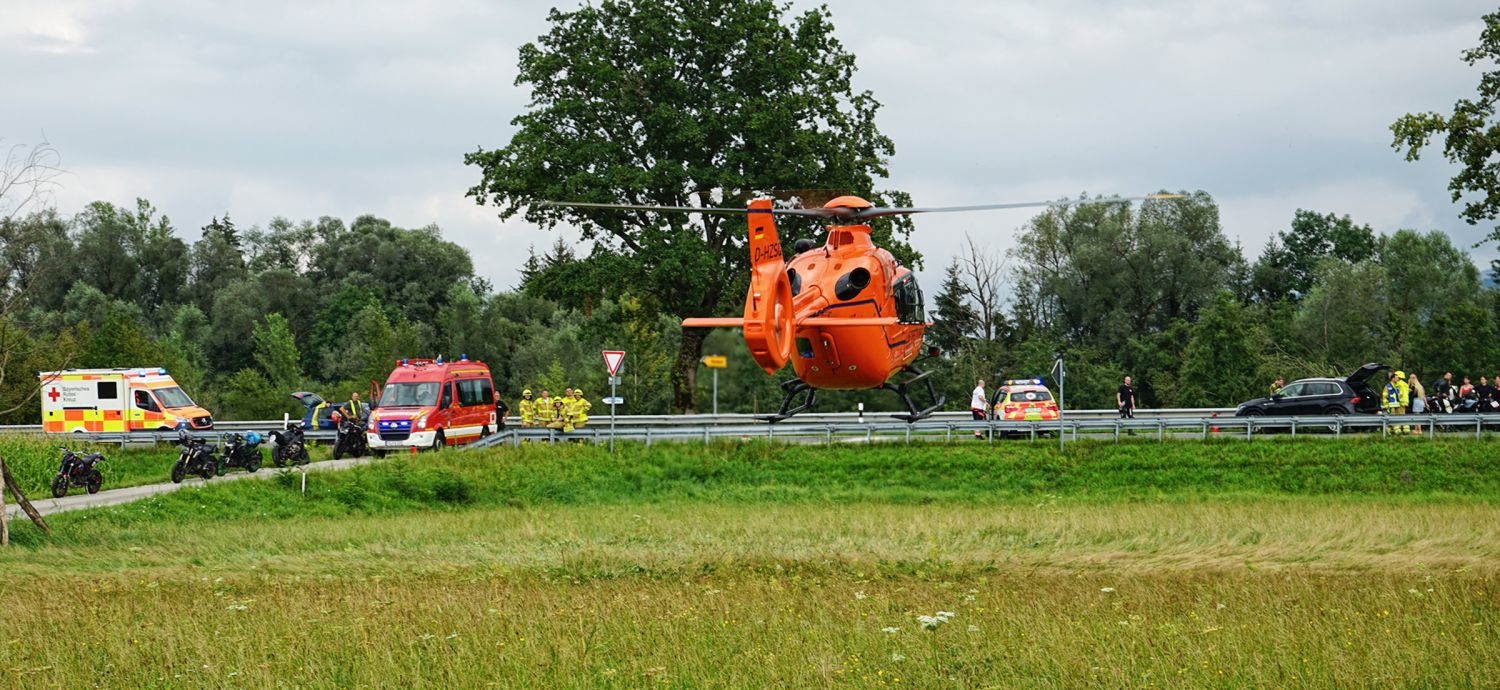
<point x="684" y="103"/>
<point x="1471" y="134"/>
<point x="1221" y="361"/>
<point x="1285" y="270"/>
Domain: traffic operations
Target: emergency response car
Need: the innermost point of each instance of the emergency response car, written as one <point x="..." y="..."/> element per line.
<point x="117" y="400"/>
<point x="1023" y="400"/>
<point x="429" y="404"/>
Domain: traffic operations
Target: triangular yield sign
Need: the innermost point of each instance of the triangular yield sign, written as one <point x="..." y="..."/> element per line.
<point x="612" y="359"/>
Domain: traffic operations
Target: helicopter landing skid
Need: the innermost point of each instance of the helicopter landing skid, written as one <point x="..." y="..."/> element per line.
<point x="913" y="414"/>
<point x="790" y="390"/>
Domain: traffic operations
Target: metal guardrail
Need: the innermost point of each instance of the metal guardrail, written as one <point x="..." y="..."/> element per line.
<point x="1202" y="427"/>
<point x="650" y="428"/>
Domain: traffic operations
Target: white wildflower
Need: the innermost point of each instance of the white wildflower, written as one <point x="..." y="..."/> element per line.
<point x="236" y="607"/>
<point x="946" y="615"/>
<point x="890" y="630"/>
<point x="859" y="595"/>
<point x="973" y="628"/>
<point x="1107" y="590"/>
<point x="1124" y="622"/>
<point x="897" y="657"/>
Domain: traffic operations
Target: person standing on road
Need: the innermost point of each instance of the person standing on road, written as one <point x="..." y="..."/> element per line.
<point x="1418" y="398"/>
<point x="1445" y="393"/>
<point x="356" y="408"/>
<point x="977" y="403"/>
<point x="1391" y="403"/>
<point x="1125" y="399"/>
<point x="528" y="409"/>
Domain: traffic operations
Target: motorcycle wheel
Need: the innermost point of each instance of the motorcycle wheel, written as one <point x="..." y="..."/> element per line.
<point x="277" y="458"/>
<point x="94" y="482"/>
<point x="254" y="464"/>
<point x="179" y="472"/>
<point x="338" y="449"/>
<point x="221" y="466"/>
<point x="302" y="457"/>
<point x="207" y="470"/>
<point x="59" y="486"/>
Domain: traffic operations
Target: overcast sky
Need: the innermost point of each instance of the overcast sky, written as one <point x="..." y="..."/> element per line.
<point x="302" y="109"/>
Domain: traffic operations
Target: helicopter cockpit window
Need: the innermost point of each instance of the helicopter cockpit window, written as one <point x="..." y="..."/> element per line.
<point x="908" y="298"/>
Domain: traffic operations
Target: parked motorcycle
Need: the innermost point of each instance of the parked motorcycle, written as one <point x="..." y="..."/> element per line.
<point x="77" y="469"/>
<point x="197" y="457"/>
<point x="288" y="446"/>
<point x="241" y="451"/>
<point x="351" y="439"/>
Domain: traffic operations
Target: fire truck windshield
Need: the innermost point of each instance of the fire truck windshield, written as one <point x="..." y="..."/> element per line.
<point x="421" y="394"/>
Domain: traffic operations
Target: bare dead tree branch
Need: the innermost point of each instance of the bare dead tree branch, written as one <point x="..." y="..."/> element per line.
<point x="28" y="178"/>
<point x="983" y="274"/>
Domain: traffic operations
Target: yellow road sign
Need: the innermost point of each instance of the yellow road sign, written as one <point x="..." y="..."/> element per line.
<point x="716" y="361"/>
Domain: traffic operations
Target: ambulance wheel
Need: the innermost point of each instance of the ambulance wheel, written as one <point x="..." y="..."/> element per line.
<point x="438" y="441"/>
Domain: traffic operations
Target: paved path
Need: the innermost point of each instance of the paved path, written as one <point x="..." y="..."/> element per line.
<point x="79" y="501"/>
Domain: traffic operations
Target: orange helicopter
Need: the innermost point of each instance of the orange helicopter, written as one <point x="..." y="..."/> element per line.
<point x="846" y="314"/>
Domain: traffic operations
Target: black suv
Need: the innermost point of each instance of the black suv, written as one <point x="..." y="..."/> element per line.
<point x="1305" y="397"/>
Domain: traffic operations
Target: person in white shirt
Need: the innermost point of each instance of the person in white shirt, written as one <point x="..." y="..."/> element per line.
<point x="977" y="404"/>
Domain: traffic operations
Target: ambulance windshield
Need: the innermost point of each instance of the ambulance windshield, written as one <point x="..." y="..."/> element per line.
<point x="173" y="397"/>
<point x="423" y="394"/>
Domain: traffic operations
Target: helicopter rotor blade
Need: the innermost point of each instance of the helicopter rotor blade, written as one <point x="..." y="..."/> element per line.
<point x="880" y="212"/>
<point x="721" y="210"/>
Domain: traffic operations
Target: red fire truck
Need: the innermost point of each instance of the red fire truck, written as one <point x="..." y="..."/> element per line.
<point x="429" y="403"/>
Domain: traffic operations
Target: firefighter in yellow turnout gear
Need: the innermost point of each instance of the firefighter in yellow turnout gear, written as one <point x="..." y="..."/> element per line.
<point x="1404" y="397"/>
<point x="578" y="410"/>
<point x="561" y="420"/>
<point x="1391" y="401"/>
<point x="528" y="409"/>
<point x="545" y="413"/>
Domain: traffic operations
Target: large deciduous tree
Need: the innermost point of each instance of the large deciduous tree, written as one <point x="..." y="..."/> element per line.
<point x="683" y="103"/>
<point x="1471" y="135"/>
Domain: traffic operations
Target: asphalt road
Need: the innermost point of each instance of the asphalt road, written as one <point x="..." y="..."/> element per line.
<point x="48" y="506"/>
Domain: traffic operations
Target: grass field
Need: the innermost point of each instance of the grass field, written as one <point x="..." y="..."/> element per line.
<point x="1308" y="564"/>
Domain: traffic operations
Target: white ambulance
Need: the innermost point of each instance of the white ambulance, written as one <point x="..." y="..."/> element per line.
<point x="117" y="400"/>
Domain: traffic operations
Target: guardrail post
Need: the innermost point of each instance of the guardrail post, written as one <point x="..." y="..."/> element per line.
<point x="1478" y="427"/>
<point x="770" y="432"/>
<point x="1431" y="428"/>
<point x="1294" y="427"/>
<point x="1384" y="424"/>
<point x="829" y="429"/>
<point x="1205" y="431"/>
<point x="908" y="433"/>
<point x="648" y="437"/>
<point x="991" y="440"/>
<point x="950" y="432"/>
<point x="1161" y="429"/>
<point x="1249" y="428"/>
<point x="1033" y="432"/>
<point x="869" y="435"/>
<point x="1338" y="427"/>
<point x="1117" y="431"/>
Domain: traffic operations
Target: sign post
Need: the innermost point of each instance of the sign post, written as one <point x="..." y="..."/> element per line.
<point x="1062" y="391"/>
<point x="612" y="361"/>
<point x="716" y="362"/>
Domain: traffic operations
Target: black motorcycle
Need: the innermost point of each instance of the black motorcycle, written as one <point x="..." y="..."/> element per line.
<point x="197" y="457"/>
<point x="288" y="446"/>
<point x="77" y="470"/>
<point x="241" y="451"/>
<point x="351" y="439"/>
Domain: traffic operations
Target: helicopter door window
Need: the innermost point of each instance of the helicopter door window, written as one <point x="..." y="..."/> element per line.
<point x="804" y="348"/>
<point x="908" y="299"/>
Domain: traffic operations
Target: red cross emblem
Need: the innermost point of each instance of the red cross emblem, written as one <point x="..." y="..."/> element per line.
<point x="53" y="394"/>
